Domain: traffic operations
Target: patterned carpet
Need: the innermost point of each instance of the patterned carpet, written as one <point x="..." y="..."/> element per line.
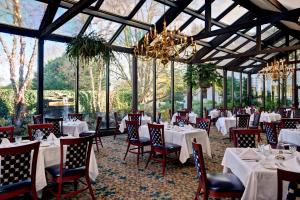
<point x="120" y="179"/>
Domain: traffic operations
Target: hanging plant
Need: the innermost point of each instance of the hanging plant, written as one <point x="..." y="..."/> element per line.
<point x="88" y="48"/>
<point x="202" y="75"/>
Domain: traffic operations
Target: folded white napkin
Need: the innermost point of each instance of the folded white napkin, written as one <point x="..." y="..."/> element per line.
<point x="249" y="154"/>
<point x="188" y="127"/>
<point x="291" y="164"/>
<point x="5" y="142"/>
<point x="51" y="137"/>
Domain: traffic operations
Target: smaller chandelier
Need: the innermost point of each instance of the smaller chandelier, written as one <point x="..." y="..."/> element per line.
<point x="165" y="46"/>
<point x="276" y="70"/>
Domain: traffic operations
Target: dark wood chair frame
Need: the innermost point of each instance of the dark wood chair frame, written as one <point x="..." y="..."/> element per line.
<point x="283" y="175"/>
<point x="284" y="120"/>
<point x="96" y="134"/>
<point x="203" y="184"/>
<point x="134" y="116"/>
<point x="117" y="122"/>
<point x="55" y="121"/>
<point x="75" y="116"/>
<point x="181" y="118"/>
<point x="246" y="131"/>
<point x="37" y="119"/>
<point x="160" y="150"/>
<point x="74" y="177"/>
<point x="32" y="127"/>
<point x="238" y="124"/>
<point x="207" y="120"/>
<point x="19" y="150"/>
<point x="272" y="125"/>
<point x="9" y="130"/>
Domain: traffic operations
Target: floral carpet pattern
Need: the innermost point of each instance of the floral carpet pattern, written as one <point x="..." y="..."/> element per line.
<point x="120" y="180"/>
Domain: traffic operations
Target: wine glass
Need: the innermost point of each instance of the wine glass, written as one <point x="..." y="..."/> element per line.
<point x="267" y="151"/>
<point x="292" y="148"/>
<point x="280" y="147"/>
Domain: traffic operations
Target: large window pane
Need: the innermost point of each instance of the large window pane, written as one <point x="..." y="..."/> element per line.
<point x="180" y="87"/>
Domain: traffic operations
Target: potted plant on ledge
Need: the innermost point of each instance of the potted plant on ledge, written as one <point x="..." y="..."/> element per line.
<point x="202" y="76"/>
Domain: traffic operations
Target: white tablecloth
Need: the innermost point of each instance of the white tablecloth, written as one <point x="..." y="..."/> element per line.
<point x="192" y="117"/>
<point x="75" y="128"/>
<point x="260" y="183"/>
<point x="223" y="124"/>
<point x="145" y="120"/>
<point x="289" y="136"/>
<point x="267" y="117"/>
<point x="216" y="113"/>
<point x="184" y="139"/>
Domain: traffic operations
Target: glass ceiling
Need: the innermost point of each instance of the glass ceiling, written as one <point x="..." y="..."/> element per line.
<point x="32" y="12"/>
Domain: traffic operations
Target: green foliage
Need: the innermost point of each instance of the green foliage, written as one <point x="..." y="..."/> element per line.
<point x="202" y="75"/>
<point x="89" y="47"/>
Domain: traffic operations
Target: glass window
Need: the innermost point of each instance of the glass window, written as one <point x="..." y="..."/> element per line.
<point x="270" y="56"/>
<point x="196" y="4"/>
<point x="220" y="53"/>
<point x="224" y="62"/>
<point x="218" y="6"/>
<point x="150" y="12"/>
<point x="280" y="43"/>
<point x="178" y="21"/>
<point x="247" y="63"/>
<point x="59" y="81"/>
<point x="209" y="54"/>
<point x="145" y="86"/>
<point x="234" y="15"/>
<point x="256" y="90"/>
<point x="104" y="28"/>
<point x="187" y="52"/>
<point x="229" y="39"/>
<point x="163" y="89"/>
<point x="246" y="47"/>
<point x="22" y="13"/>
<point x="267" y="33"/>
<point x="236" y="43"/>
<point x="18" y="81"/>
<point x="71" y="27"/>
<point x="122" y="8"/>
<point x="180" y="88"/>
<point x="129" y="37"/>
<point x="194" y="27"/>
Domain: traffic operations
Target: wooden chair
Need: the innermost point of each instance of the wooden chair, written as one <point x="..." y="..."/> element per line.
<point x="75" y="117"/>
<point x="18" y="170"/>
<point x="57" y="125"/>
<point x="159" y="146"/>
<point x="203" y="123"/>
<point x="293" y="178"/>
<point x="183" y="113"/>
<point x="282" y="112"/>
<point x="96" y="133"/>
<point x="142" y="112"/>
<point x="135" y="117"/>
<point x="222" y="185"/>
<point x="296" y="113"/>
<point x="135" y="139"/>
<point x="242" y="121"/>
<point x="77" y="154"/>
<point x="271" y="134"/>
<point x="45" y="128"/>
<point x="289" y="123"/>
<point x="256" y="121"/>
<point x="7" y="132"/>
<point x="37" y="119"/>
<point x="244" y="138"/>
<point x="181" y="119"/>
<point x="117" y="122"/>
<point x="223" y="112"/>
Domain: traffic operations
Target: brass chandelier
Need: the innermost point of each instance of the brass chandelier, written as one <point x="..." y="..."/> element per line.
<point x="276" y="70"/>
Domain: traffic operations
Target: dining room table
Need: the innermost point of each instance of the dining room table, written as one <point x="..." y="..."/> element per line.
<point x="258" y="171"/>
<point x="182" y="136"/>
<point x="144" y="120"/>
<point x="192" y="117"/>
<point x="215" y="113"/>
<point x="289" y="136"/>
<point x="223" y="124"/>
<point x="74" y="128"/>
<point x="267" y="117"/>
<point x="49" y="155"/>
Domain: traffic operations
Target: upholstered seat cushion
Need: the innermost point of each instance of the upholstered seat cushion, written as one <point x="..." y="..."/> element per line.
<point x="15" y="186"/>
<point x="86" y="133"/>
<point x="143" y="140"/>
<point x="170" y="147"/>
<point x="224" y="183"/>
<point x="55" y="171"/>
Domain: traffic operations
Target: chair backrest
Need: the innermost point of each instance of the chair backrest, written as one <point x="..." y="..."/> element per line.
<point x="282" y="112"/>
<point x="157" y="135"/>
<point x="45" y="128"/>
<point x="241" y="111"/>
<point x="77" y="154"/>
<point x="158" y="120"/>
<point x="57" y="125"/>
<point x="244" y="138"/>
<point x="242" y="120"/>
<point x="182" y="119"/>
<point x="142" y="112"/>
<point x="288" y="113"/>
<point x="37" y="119"/>
<point x="199" y="164"/>
<point x="256" y="119"/>
<point x="98" y="125"/>
<point x="135" y="117"/>
<point x="289" y="123"/>
<point x="132" y="130"/>
<point x="223" y="112"/>
<point x="271" y="133"/>
<point x="116" y="117"/>
<point x="18" y="164"/>
<point x="75" y="117"/>
<point x="296" y="113"/>
<point x="7" y="132"/>
<point x="203" y="123"/>
<point x="183" y="113"/>
<point x="294" y="184"/>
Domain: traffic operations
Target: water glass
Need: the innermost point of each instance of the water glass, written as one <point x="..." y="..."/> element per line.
<point x="292" y="148"/>
<point x="267" y="151"/>
<point x="18" y="139"/>
<point x="260" y="147"/>
<point x="280" y="147"/>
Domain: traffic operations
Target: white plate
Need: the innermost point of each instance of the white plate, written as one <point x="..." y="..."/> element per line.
<point x="44" y="145"/>
<point x="25" y="141"/>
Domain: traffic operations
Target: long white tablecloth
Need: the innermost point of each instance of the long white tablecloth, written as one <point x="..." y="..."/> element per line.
<point x="145" y="120"/>
<point x="289" y="136"/>
<point x="192" y="117"/>
<point x="216" y="113"/>
<point x="75" y="128"/>
<point x="260" y="183"/>
<point x="267" y="117"/>
<point x="183" y="138"/>
<point x="223" y="124"/>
